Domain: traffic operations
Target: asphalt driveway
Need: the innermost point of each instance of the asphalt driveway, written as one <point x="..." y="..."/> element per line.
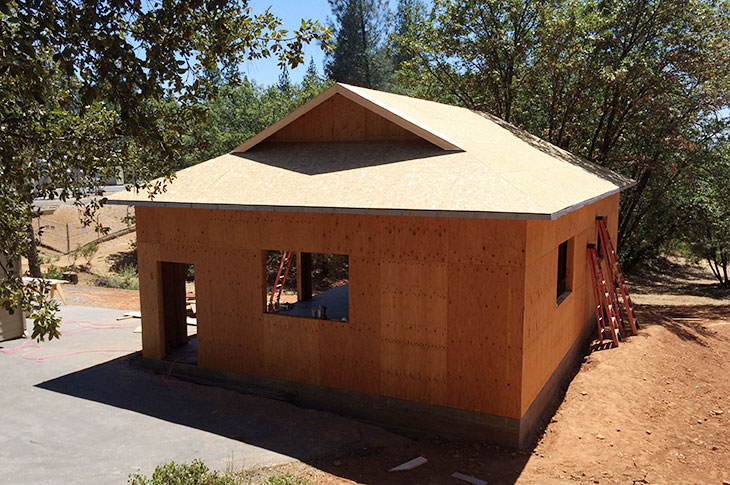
<point x="83" y="416"/>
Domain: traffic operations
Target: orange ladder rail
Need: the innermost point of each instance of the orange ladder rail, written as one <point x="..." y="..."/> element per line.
<point x="617" y="274"/>
<point x="602" y="298"/>
<point x="281" y="275"/>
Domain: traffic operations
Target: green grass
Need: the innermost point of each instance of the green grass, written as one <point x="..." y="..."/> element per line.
<point x="126" y="279"/>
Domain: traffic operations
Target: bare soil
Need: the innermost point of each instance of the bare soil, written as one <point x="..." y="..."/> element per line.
<point x="112" y="255"/>
<point x="62" y="229"/>
<point x="84" y="295"/>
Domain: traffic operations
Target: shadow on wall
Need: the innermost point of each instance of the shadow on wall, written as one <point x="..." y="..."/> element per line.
<point x="320" y="158"/>
<point x="558" y="153"/>
<point x="337" y="445"/>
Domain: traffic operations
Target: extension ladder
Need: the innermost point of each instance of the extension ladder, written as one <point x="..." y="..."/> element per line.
<point x="617" y="276"/>
<point x="281" y="275"/>
<point x="602" y="297"/>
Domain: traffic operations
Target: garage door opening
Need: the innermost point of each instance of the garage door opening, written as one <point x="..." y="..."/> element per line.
<point x="179" y="312"/>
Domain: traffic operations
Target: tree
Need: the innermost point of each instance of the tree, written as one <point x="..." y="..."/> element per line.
<point x="284" y="83"/>
<point x="238" y="112"/>
<point x="360" y="56"/>
<point x="472" y="53"/>
<point x="92" y="87"/>
<point x="707" y="231"/>
<point x="628" y="85"/>
<point x="407" y="15"/>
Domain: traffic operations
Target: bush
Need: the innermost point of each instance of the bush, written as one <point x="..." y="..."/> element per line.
<point x="126" y="278"/>
<point x="87" y="251"/>
<point x="286" y="479"/>
<point x="53" y="273"/>
<point x="196" y="473"/>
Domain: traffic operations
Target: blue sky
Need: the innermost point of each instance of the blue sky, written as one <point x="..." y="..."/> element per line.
<point x="266" y="71"/>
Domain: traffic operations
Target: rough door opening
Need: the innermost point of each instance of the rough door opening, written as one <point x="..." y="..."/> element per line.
<point x="179" y="312"/>
<point x="308" y="285"/>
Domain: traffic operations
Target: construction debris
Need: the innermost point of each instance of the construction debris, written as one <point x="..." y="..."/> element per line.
<point x="468" y="478"/>
<point x="410" y="464"/>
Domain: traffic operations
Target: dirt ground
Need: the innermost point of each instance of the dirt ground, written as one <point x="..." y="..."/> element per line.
<point x="655" y="410"/>
<point x="113" y="253"/>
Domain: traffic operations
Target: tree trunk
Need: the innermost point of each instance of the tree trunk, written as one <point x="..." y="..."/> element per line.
<point x="34" y="263"/>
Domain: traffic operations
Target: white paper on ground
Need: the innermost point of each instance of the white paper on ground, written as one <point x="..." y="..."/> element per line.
<point x="410" y="465"/>
<point x="468" y="478"/>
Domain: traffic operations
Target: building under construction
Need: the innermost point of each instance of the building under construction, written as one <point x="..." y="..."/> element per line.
<point x="469" y="287"/>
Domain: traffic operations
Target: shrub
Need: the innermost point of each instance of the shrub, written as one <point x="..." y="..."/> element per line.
<point x="126" y="278"/>
<point x="286" y="479"/>
<point x="196" y="473"/>
<point x="53" y="273"/>
<point x="74" y="255"/>
<point x="87" y="251"/>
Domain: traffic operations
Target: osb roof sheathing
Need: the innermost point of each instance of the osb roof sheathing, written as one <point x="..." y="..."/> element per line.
<point x="468" y="164"/>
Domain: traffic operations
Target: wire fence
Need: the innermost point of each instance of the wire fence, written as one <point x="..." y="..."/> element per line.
<point x="63" y="231"/>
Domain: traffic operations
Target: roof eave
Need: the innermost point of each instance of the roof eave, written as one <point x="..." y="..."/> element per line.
<point x="524" y="216"/>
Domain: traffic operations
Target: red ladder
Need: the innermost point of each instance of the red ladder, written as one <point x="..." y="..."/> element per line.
<point x="283" y="272"/>
<point x="617" y="276"/>
<point x="602" y="298"/>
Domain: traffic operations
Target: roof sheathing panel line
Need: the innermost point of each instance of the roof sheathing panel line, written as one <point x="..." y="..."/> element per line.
<point x="368" y="102"/>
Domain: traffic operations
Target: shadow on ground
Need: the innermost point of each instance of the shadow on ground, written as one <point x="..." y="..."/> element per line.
<point x="688" y="322"/>
<point x="123" y="259"/>
<point x="674" y="277"/>
<point x="331" y="443"/>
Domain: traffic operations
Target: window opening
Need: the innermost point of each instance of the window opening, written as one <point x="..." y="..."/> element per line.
<point x="307" y="285"/>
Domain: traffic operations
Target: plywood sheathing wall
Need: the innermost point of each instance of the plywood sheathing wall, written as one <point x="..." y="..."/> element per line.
<point x="550" y="330"/>
<point x="435" y="304"/>
<point x="339" y="119"/>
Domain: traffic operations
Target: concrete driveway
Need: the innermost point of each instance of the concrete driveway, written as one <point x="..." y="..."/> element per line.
<point x="90" y="417"/>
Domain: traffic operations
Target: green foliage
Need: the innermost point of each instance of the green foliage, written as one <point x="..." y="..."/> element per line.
<point x="196" y="473"/>
<point x="90" y="89"/>
<point x="126" y="278"/>
<point x="286" y="479"/>
<point x="707" y="218"/>
<point x="54" y="273"/>
<point x="129" y="219"/>
<point x="407" y="15"/>
<point x="88" y="251"/>
<point x="238" y="112"/>
<point x="633" y="86"/>
<point x="360" y="55"/>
